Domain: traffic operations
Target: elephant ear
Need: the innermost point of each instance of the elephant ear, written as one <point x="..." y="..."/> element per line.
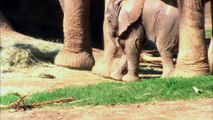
<point x="130" y="11"/>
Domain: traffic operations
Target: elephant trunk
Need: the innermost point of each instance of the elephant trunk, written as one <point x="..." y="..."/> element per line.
<point x="192" y="58"/>
<point x="77" y="50"/>
<point x="4" y="23"/>
<point x="7" y="32"/>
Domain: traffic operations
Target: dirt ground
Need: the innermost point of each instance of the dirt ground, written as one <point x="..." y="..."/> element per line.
<point x="28" y="80"/>
<point x="175" y="110"/>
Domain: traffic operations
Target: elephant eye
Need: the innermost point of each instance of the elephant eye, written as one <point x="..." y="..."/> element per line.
<point x="109" y="21"/>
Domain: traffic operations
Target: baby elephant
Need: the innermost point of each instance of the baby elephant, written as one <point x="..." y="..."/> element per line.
<point x="131" y="22"/>
<point x="131" y="45"/>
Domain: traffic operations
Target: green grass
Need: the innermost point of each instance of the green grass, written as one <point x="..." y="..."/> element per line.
<point x="125" y="93"/>
<point x="208" y="32"/>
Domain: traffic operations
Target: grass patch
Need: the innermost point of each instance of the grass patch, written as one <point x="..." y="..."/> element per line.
<point x="208" y="32"/>
<point x="125" y="93"/>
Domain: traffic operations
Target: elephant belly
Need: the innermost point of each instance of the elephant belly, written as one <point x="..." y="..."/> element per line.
<point x="160" y="20"/>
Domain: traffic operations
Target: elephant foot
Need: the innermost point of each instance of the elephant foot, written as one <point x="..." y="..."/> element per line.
<point x="130" y="78"/>
<point x="105" y="67"/>
<point x="82" y="60"/>
<point x="116" y="76"/>
<point x="189" y="72"/>
<point x="101" y="69"/>
<point x="166" y="74"/>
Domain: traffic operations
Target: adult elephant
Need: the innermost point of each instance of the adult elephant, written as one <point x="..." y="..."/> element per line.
<point x="192" y="58"/>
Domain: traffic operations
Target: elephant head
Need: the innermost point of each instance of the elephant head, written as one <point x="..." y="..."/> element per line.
<point x="121" y="14"/>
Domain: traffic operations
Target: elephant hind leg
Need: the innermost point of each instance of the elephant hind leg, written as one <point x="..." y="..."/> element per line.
<point x="167" y="62"/>
<point x="165" y="47"/>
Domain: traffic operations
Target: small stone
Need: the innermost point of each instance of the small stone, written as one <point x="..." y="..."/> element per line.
<point x="48" y="76"/>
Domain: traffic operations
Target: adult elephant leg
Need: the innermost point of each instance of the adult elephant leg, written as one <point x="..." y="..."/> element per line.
<point x="210" y="56"/>
<point x="192" y="58"/>
<point x="210" y="52"/>
<point x="77" y="50"/>
<point x="108" y="62"/>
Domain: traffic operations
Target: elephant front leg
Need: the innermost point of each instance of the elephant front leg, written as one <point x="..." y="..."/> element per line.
<point x="77" y="50"/>
<point x="121" y="69"/>
<point x="210" y="56"/>
<point x="109" y="62"/>
<point x="133" y="54"/>
<point x="192" y="57"/>
<point x="166" y="43"/>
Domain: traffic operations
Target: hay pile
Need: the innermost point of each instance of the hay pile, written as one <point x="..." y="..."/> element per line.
<point x="16" y="57"/>
<point x="25" y="55"/>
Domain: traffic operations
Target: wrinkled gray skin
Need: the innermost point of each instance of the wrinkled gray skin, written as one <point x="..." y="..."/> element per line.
<point x="130" y="43"/>
<point x="160" y="24"/>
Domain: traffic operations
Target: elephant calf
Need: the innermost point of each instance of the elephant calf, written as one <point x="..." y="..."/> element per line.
<point x="133" y="21"/>
<point x="131" y="45"/>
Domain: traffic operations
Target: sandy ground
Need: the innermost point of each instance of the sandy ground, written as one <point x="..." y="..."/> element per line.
<point x="29" y="80"/>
